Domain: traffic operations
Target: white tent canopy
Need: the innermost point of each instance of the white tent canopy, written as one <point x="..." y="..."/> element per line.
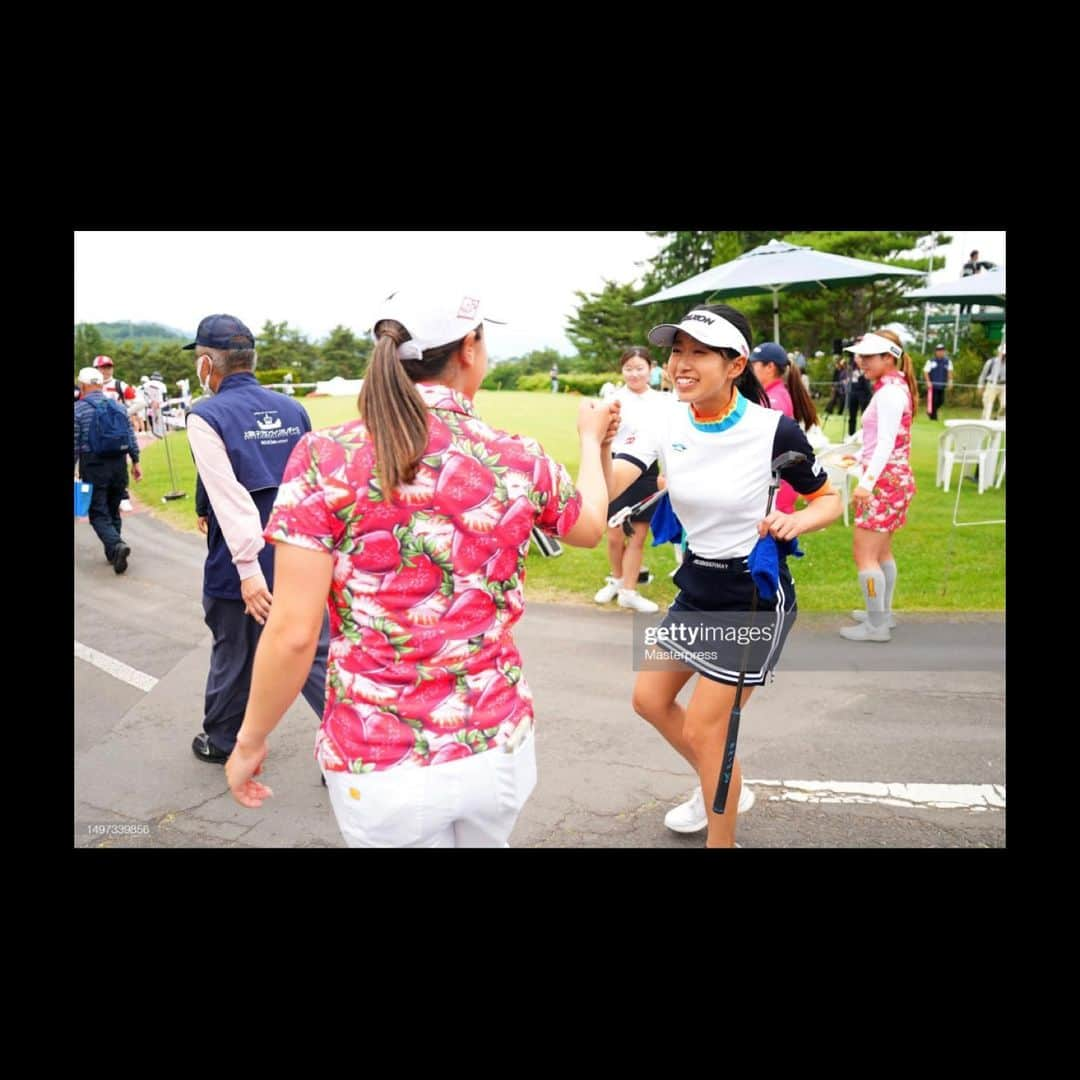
<point x="987" y="287"/>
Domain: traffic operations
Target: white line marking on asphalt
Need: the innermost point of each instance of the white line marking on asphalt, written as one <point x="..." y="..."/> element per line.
<point x="116" y="668"/>
<point x="937" y="796"/>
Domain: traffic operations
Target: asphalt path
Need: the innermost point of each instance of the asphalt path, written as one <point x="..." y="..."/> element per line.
<point x="928" y="708"/>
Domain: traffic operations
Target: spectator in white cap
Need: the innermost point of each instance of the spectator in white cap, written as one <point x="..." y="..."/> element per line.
<point x="413" y="523"/>
<point x="887" y="484"/>
<point x="717" y="445"/>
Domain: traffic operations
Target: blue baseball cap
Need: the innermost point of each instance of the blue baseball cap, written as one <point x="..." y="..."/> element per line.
<point x="769" y="352"/>
<point x="223" y="332"/>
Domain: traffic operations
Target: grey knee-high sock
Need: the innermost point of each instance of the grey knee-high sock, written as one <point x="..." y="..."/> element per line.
<point x="889" y="570"/>
<point x="872" y="583"/>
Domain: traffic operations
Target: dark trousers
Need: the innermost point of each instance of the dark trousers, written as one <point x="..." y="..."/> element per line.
<point x="837" y="399"/>
<point x="229" y="683"/>
<point x="855" y="406"/>
<point x="937" y="402"/>
<point x="109" y="477"/>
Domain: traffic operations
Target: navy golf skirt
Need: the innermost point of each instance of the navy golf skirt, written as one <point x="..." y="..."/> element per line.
<point x="644" y="486"/>
<point x="710" y="627"/>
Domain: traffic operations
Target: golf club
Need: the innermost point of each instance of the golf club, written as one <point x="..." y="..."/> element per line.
<point x="174" y="494"/>
<point x="627" y="512"/>
<point x="548" y="546"/>
<point x="789" y="457"/>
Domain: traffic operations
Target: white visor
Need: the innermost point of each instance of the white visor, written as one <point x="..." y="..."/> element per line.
<point x="872" y="344"/>
<point x="704" y="326"/>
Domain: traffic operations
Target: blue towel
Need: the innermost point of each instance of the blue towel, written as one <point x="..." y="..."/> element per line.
<point x="764" y="563"/>
<point x="666" y="527"/>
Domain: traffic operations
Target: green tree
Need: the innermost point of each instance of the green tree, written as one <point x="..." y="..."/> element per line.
<point x="344" y="354"/>
<point x="88" y="344"/>
<point x="280" y="346"/>
<point x="607" y="322"/>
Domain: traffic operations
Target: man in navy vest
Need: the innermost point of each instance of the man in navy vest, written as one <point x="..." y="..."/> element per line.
<point x="938" y="374"/>
<point x="241" y="435"/>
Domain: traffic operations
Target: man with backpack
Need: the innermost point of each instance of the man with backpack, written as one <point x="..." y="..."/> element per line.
<point x="120" y="392"/>
<point x="103" y="439"/>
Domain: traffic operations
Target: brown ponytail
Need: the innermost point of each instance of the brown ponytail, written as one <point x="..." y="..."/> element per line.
<point x="906" y="368"/>
<point x="801" y="403"/>
<point x="391" y="406"/>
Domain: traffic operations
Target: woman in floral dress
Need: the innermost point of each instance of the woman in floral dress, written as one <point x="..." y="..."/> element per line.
<point x="887" y="485"/>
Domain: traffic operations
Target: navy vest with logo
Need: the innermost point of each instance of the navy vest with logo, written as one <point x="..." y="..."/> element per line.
<point x="259" y="428"/>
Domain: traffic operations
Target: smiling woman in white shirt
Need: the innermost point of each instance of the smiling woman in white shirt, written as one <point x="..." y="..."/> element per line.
<point x="717" y="445"/>
<point x="887" y="485"/>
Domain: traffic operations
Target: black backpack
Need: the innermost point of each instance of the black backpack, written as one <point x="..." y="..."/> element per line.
<point x="109" y="428"/>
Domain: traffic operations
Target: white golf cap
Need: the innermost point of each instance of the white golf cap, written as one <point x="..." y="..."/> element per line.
<point x="872" y="344"/>
<point x="432" y="317"/>
<point x="90" y="375"/>
<point x="704" y="326"/>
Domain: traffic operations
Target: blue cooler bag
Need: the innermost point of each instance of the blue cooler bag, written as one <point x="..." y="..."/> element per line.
<point x="83" y="491"/>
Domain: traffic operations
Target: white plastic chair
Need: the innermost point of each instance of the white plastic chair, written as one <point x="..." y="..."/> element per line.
<point x="966" y="444"/>
<point x="1001" y="471"/>
<point x="838" y="478"/>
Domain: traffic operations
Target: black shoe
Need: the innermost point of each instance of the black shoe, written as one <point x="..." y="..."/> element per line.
<point x="206" y="751"/>
<point x="120" y="557"/>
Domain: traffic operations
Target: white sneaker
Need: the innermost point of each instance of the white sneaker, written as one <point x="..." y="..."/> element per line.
<point x="690" y="816"/>
<point x="860" y="616"/>
<point x="865" y="632"/>
<point x="125" y="505"/>
<point x="631" y="598"/>
<point x="609" y="591"/>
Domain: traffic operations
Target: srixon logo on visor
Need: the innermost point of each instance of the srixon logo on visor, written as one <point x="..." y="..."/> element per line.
<point x="699" y="316"/>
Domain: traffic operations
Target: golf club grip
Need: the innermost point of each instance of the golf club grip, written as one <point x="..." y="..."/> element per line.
<point x="729" y="762"/>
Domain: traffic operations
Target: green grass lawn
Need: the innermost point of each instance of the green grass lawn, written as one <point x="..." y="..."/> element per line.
<point x="941" y="568"/>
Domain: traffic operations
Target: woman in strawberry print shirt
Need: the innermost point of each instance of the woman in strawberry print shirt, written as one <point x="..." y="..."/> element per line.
<point x="887" y="485"/>
<point x="412" y="523"/>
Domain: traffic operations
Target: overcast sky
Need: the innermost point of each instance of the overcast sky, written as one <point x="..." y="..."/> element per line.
<point x="317" y="280"/>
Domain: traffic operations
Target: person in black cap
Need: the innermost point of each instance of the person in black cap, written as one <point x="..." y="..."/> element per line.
<point x="241" y="435"/>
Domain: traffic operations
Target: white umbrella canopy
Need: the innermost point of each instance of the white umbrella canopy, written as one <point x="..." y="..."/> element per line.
<point x="985" y="288"/>
<point x="778" y="267"/>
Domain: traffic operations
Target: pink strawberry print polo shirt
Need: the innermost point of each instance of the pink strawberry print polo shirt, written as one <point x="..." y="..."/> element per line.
<point x="427" y="583"/>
